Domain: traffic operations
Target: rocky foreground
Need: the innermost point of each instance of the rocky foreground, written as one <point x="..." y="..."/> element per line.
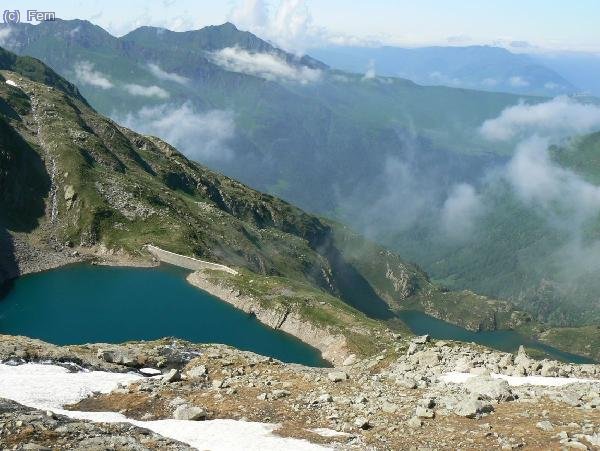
<point x="400" y="399"/>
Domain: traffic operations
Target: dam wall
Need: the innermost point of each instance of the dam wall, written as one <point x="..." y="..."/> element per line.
<point x="186" y="262"/>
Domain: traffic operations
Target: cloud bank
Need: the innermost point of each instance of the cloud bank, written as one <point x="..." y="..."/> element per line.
<point x="559" y="117"/>
<point x="146" y="91"/>
<point x="563" y="198"/>
<point x="290" y="25"/>
<point x="85" y="73"/>
<point x="460" y="211"/>
<point x="264" y="65"/>
<point x="167" y="76"/>
<point x="200" y="136"/>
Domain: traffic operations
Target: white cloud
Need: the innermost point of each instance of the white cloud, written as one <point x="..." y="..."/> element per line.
<point x="559" y="117"/>
<point x="518" y="82"/>
<point x="250" y="15"/>
<point x="200" y="136"/>
<point x="5" y="33"/>
<point x="290" y="26"/>
<point x="459" y="39"/>
<point x="489" y="82"/>
<point x="75" y="31"/>
<point x="146" y="91"/>
<point x="460" y="211"/>
<point x="562" y="198"/>
<point x="85" y="73"/>
<point x="6" y="39"/>
<point x="264" y="65"/>
<point x="551" y="85"/>
<point x="168" y="76"/>
<point x="540" y="181"/>
<point x="370" y="73"/>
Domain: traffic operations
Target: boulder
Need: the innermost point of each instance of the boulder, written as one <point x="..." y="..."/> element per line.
<point x="545" y="425"/>
<point x="337" y="376"/>
<point x="487" y="388"/>
<point x="428" y="358"/>
<point x="325" y="397"/>
<point x="362" y="423"/>
<point x="389" y="407"/>
<point x="423" y="412"/>
<point x="196" y="372"/>
<point x="277" y="394"/>
<point x="172" y="376"/>
<point x="190" y="413"/>
<point x="472" y="407"/>
<point x="350" y="360"/>
<point x="421" y="340"/>
<point x="412" y="348"/>
<point x="115" y="356"/>
<point x="414" y="423"/>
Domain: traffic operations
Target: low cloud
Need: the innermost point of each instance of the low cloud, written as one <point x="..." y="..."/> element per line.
<point x="489" y="82"/>
<point x="539" y="181"/>
<point x="75" y="31"/>
<point x="563" y="199"/>
<point x="146" y="91"/>
<point x="518" y="82"/>
<point x="86" y="74"/>
<point x="167" y="76"/>
<point x="5" y="37"/>
<point x="264" y="65"/>
<point x="370" y="72"/>
<point x="460" y="211"/>
<point x="201" y="136"/>
<point x="559" y="117"/>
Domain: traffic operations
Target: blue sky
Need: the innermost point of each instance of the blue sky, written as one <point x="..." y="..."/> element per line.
<point x="300" y="24"/>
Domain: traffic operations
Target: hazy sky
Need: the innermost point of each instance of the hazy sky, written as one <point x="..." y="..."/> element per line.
<point x="547" y="24"/>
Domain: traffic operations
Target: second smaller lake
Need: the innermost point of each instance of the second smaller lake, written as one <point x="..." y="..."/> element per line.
<point x="503" y="340"/>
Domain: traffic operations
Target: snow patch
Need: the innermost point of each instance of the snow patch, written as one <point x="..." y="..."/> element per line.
<point x="12" y="83"/>
<point x="49" y="387"/>
<point x="461" y="378"/>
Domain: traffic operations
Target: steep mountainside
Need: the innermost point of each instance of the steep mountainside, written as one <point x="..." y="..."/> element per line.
<point x="77" y="184"/>
<point x="476" y="67"/>
<point x="299" y="128"/>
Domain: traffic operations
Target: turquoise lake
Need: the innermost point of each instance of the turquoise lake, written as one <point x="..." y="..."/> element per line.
<point x="91" y="304"/>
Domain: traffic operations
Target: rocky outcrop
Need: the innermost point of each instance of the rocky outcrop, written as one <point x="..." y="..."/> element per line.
<point x="332" y="345"/>
<point x="32" y="429"/>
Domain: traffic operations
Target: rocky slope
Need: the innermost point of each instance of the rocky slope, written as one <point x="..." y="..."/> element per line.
<point x="401" y="398"/>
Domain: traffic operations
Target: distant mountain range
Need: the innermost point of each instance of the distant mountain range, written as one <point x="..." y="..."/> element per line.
<point x="484" y="68"/>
